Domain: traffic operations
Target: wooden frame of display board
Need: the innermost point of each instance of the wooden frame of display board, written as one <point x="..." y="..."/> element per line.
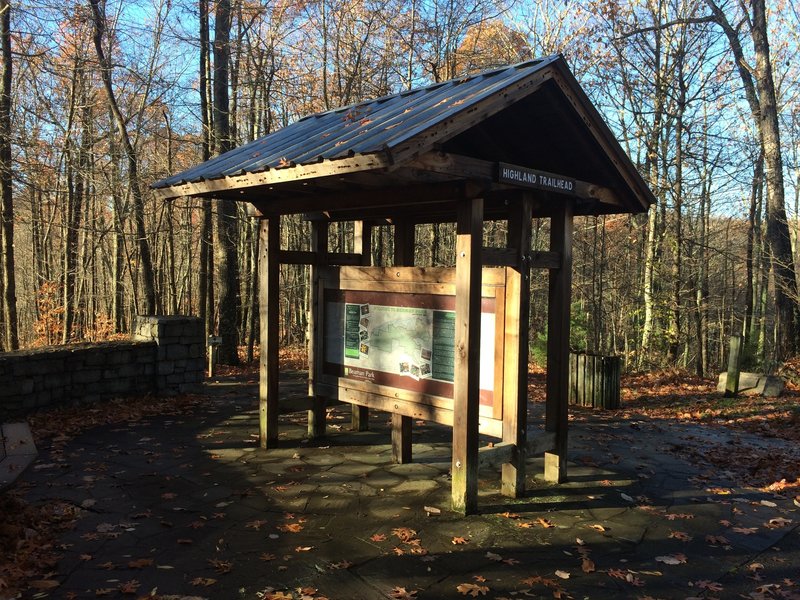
<point x="370" y="317"/>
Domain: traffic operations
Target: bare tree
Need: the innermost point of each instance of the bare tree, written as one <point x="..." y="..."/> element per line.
<point x="106" y="70"/>
<point x="227" y="211"/>
<point x="6" y="183"/>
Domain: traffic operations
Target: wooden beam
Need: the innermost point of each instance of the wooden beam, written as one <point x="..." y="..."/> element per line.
<point x="496" y="206"/>
<point x="545" y="260"/>
<point x="268" y="298"/>
<point x="360" y="199"/>
<point x="515" y="397"/>
<point x="499" y="257"/>
<point x="558" y="319"/>
<point x="409" y="408"/>
<point x="466" y="387"/>
<point x="509" y="257"/>
<point x="307" y="257"/>
<point x="499" y="454"/>
<point x="404" y="243"/>
<point x="246" y="181"/>
<point x="319" y="248"/>
<point x="483" y="170"/>
<point x="362" y="247"/>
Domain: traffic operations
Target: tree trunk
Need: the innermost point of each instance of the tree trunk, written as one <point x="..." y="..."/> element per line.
<point x="777" y="225"/>
<point x="761" y="97"/>
<point x="227" y="211"/>
<point x="148" y="276"/>
<point x="6" y="190"/>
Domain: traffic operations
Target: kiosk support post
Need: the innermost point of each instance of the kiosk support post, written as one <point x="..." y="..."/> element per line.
<point x="316" y="414"/>
<point x="515" y="396"/>
<point x="466" y="390"/>
<point x="362" y="244"/>
<point x="404" y="238"/>
<point x="558" y="314"/>
<point x="268" y="297"/>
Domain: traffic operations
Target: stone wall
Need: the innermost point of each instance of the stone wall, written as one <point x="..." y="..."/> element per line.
<point x="164" y="357"/>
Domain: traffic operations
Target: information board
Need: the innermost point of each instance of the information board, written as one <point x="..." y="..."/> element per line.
<point x="401" y="340"/>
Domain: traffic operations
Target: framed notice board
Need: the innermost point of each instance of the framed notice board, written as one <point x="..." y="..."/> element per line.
<point x="388" y="339"/>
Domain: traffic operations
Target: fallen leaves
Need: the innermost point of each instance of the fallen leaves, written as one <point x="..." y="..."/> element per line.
<point x="710" y="586"/>
<point x="404" y="534"/>
<point x="203" y="581"/>
<point x="459" y="541"/>
<point x="129" y="587"/>
<point x="627" y="576"/>
<point x="472" y="589"/>
<point x="562" y="574"/>
<point x="221" y="566"/>
<point x="672" y="559"/>
<point x="44" y="584"/>
<point x="777" y="523"/>
<point x="717" y="540"/>
<point x="140" y="563"/>
<point x="401" y="593"/>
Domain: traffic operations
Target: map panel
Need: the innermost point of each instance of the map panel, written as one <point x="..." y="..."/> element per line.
<point x="401" y="340"/>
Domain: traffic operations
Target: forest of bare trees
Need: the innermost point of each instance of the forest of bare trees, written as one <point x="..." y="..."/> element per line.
<point x="101" y="98"/>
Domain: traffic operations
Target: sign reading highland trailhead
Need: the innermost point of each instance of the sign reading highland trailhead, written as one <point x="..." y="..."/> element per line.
<point x="524" y="177"/>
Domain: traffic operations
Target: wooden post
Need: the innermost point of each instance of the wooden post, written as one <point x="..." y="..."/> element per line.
<point x="362" y="244"/>
<point x="268" y="307"/>
<point x="515" y="390"/>
<point x="401" y="425"/>
<point x="558" y="315"/>
<point x="734" y="357"/>
<point x="466" y="388"/>
<point x="319" y="245"/>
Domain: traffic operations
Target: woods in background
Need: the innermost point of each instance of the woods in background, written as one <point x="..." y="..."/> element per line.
<point x="100" y="98"/>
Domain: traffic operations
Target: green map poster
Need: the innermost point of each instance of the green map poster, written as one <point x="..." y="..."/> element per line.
<point x="352" y="315"/>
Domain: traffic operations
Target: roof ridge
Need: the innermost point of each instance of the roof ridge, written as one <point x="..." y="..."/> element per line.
<point x="539" y="62"/>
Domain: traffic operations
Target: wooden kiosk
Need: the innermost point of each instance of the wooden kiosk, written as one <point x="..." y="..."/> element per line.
<point x="447" y="345"/>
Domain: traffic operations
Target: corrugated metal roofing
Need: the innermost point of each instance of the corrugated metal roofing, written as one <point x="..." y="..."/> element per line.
<point x="364" y="128"/>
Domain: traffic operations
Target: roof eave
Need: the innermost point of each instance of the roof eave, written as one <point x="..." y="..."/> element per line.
<point x="244" y="182"/>
<point x="627" y="170"/>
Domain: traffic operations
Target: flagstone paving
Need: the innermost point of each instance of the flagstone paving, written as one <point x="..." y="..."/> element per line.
<point x="190" y="506"/>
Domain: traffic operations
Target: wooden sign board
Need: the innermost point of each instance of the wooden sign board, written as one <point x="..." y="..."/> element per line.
<point x="388" y="340"/>
<point x="530" y="178"/>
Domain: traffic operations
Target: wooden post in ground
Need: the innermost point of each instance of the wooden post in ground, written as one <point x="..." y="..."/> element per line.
<point x="515" y="389"/>
<point x="466" y="387"/>
<point x="268" y="297"/>
<point x="734" y="360"/>
<point x="558" y="314"/>
<point x="401" y="425"/>
<point x="362" y="244"/>
<point x="319" y="246"/>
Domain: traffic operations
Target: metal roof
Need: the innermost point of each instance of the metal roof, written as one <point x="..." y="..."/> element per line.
<point x="365" y="128"/>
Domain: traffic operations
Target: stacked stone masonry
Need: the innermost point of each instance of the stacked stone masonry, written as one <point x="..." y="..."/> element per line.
<point x="163" y="358"/>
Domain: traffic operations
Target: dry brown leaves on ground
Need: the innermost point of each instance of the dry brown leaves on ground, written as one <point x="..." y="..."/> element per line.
<point x="672" y="396"/>
<point x="27" y="538"/>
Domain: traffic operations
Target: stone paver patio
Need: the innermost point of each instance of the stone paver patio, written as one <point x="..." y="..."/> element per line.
<point x="189" y="506"/>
